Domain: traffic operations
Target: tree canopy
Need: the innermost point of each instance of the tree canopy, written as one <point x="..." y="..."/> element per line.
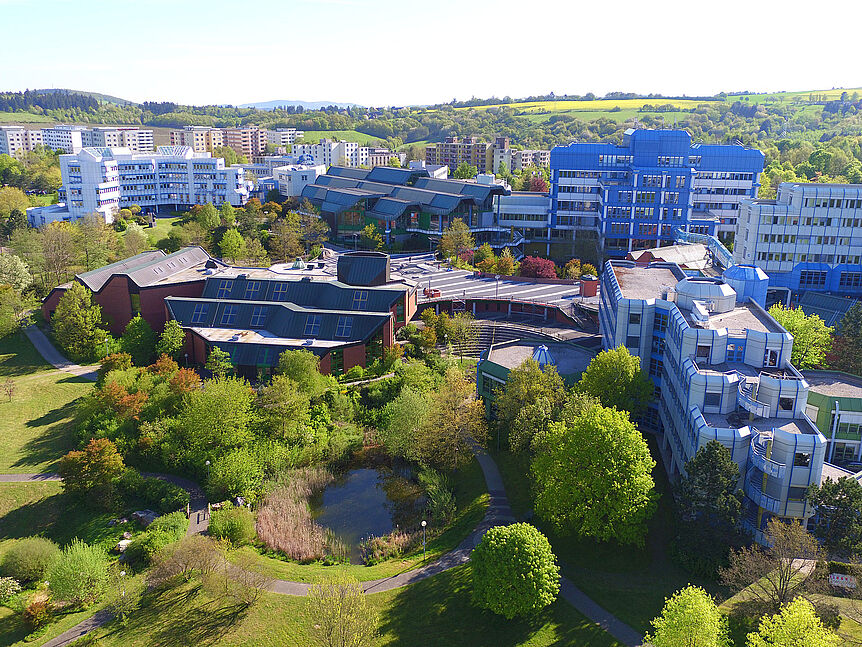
<point x="812" y="338"/>
<point x="689" y="618"/>
<point x="796" y="625"/>
<point x="614" y="377"/>
<point x="77" y="324"/>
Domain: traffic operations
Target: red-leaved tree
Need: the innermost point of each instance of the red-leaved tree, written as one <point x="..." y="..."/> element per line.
<point x="536" y="267"/>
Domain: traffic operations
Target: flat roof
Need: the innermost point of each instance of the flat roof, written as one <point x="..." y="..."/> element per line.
<point x="734" y="420"/>
<point x="834" y="472"/>
<point x="743" y="316"/>
<point x="644" y="282"/>
<point x="834" y="384"/>
<point x="569" y="358"/>
<point x="244" y="336"/>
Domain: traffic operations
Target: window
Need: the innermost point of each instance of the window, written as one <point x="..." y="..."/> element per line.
<point x="812" y="278"/>
<point x="796" y="493"/>
<point x="801" y="459"/>
<point x="633" y="341"/>
<point x="770" y="358"/>
<point x="399" y="312"/>
<point x="360" y="300"/>
<point x="312" y="325"/>
<point x="336" y="361"/>
<point x="223" y="289"/>
<point x="711" y="399"/>
<point x="634" y="317"/>
<point x="658" y="345"/>
<point x="660" y="321"/>
<point x="736" y="351"/>
<point x="279" y="293"/>
<point x="655" y="366"/>
<point x="702" y="352"/>
<point x="228" y="316"/>
<point x="785" y="404"/>
<point x="200" y="313"/>
<point x="252" y="289"/>
<point x="850" y="280"/>
<point x="264" y="356"/>
<point x="136" y="303"/>
<point x="258" y="317"/>
<point x="344" y="327"/>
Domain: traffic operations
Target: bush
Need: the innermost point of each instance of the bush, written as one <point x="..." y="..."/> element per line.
<point x="37" y="615"/>
<point x="354" y="373"/>
<point x="237" y="473"/>
<point x="155" y="493"/>
<point x="162" y="532"/>
<point x="8" y="588"/>
<point x="441" y="499"/>
<point x="514" y="571"/>
<point x="236" y="525"/>
<point x="29" y="559"/>
<point x="78" y="575"/>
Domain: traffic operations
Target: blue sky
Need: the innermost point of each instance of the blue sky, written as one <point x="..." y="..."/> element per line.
<point x="389" y="52"/>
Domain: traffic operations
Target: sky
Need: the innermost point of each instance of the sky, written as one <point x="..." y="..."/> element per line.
<point x="404" y="52"/>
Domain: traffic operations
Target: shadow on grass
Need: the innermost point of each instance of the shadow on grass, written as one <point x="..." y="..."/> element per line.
<point x="440" y="611"/>
<point x="180" y="616"/>
<point x="54" y="440"/>
<point x="12" y="629"/>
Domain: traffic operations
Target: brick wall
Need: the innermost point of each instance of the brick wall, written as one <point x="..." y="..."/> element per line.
<point x="116" y="304"/>
<point x="153" y="300"/>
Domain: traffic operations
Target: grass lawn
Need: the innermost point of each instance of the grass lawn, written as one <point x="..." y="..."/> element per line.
<point x="314" y="136"/>
<point x="436" y="611"/>
<point x="36" y="427"/>
<point x="629" y="582"/>
<point x="472" y="499"/>
<point x="161" y="229"/>
<point x="25" y="118"/>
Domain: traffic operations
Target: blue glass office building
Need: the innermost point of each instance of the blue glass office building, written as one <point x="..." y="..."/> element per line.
<point x="633" y="196"/>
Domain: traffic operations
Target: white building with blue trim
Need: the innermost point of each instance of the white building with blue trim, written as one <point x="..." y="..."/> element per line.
<point x="721" y="369"/>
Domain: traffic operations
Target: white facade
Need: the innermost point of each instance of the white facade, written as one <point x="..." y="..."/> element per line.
<point x="293" y="179"/>
<point x="69" y="139"/>
<point x="14" y="139"/>
<point x="105" y="180"/>
<point x="808" y="238"/>
<point x="437" y="171"/>
<point x="138" y="140"/>
<point x="334" y="153"/>
<point x="283" y="136"/>
<point x="519" y="160"/>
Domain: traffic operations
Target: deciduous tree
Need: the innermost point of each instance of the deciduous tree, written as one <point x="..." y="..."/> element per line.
<point x="341" y="615"/>
<point x="232" y="246"/>
<point x="218" y="363"/>
<point x="77" y="324"/>
<point x="286" y="404"/>
<point x="614" y="377"/>
<point x="14" y="272"/>
<point x="456" y="239"/>
<point x="455" y="422"/>
<point x="465" y="171"/>
<point x="839" y="525"/>
<point x="796" y="625"/>
<point x="91" y="471"/>
<point x="171" y="340"/>
<point x="514" y="571"/>
<point x="593" y="476"/>
<point x="139" y="341"/>
<point x="689" y="618"/>
<point x="370" y="237"/>
<point x="812" y="338"/>
<point x="79" y="574"/>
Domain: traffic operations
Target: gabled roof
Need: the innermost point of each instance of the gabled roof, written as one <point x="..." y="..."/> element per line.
<point x="145" y="268"/>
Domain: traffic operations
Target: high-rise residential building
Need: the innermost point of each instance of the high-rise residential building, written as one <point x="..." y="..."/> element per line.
<point x="69" y="139"/>
<point x="518" y="160"/>
<point x="105" y="180"/>
<point x="283" y="136"/>
<point x="17" y="139"/>
<point x="633" y="196"/>
<point x="139" y="140"/>
<point x="248" y="141"/>
<point x="808" y="238"/>
<point x="201" y="139"/>
<point x="454" y="151"/>
<point x="720" y="366"/>
<point x="334" y="153"/>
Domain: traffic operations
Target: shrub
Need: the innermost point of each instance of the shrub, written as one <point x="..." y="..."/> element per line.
<point x="441" y="499"/>
<point x="236" y="525"/>
<point x="354" y="373"/>
<point x="237" y="473"/>
<point x="397" y="543"/>
<point x="156" y="493"/>
<point x="533" y="266"/>
<point x="37" y="615"/>
<point x="78" y="575"/>
<point x="8" y="587"/>
<point x="162" y="532"/>
<point x="514" y="571"/>
<point x="29" y="558"/>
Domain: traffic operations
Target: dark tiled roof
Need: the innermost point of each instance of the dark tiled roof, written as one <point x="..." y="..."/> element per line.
<point x="363" y="268"/>
<point x="145" y="268"/>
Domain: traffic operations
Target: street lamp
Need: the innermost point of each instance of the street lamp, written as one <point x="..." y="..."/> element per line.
<point x="424" y="523"/>
<point x="497" y="290"/>
<point x="187" y="359"/>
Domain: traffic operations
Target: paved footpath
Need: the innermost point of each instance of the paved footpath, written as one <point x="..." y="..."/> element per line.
<point x="54" y="358"/>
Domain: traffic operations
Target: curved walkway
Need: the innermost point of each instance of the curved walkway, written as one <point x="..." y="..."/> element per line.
<point x="54" y="358"/>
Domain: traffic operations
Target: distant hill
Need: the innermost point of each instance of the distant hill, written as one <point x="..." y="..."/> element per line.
<point x="307" y="105"/>
<point x="107" y="98"/>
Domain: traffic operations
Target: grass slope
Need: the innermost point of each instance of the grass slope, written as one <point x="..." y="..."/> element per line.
<point x="36" y="427"/>
<point x="472" y="499"/>
<point x="437" y="611"/>
<point x="314" y="136"/>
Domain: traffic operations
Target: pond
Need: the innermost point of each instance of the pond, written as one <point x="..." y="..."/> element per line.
<point x="369" y="501"/>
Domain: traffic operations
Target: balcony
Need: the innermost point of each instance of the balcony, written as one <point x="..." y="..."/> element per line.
<point x="745" y="399"/>
<point x="753" y="488"/>
<point x="757" y="456"/>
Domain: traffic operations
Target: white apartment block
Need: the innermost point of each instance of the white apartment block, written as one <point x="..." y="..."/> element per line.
<point x="294" y="178"/>
<point x="808" y="238"/>
<point x="519" y="160"/>
<point x="138" y="140"/>
<point x="283" y="136"/>
<point x="334" y="153"/>
<point x="200" y="139"/>
<point x="69" y="139"/>
<point x="105" y="180"/>
<point x="17" y="139"/>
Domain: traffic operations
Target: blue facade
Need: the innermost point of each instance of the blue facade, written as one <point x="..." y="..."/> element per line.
<point x="636" y="194"/>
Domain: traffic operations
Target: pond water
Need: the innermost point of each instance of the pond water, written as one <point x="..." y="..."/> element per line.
<point x="369" y="501"/>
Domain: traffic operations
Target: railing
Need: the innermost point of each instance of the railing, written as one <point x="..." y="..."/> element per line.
<point x="754" y="491"/>
<point x="745" y="399"/>
<point x="718" y="250"/>
<point x="757" y="456"/>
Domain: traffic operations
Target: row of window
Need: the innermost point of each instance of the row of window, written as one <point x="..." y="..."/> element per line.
<point x="833" y="203"/>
